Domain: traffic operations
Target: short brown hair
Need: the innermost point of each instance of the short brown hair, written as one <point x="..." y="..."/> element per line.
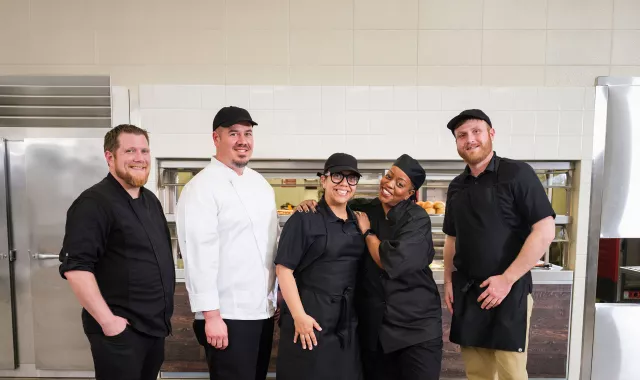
<point x="111" y="142"/>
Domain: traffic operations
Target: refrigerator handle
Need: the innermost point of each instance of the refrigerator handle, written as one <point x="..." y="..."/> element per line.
<point x="45" y="256"/>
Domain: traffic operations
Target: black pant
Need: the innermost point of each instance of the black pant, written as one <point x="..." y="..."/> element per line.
<point x="130" y="355"/>
<point x="421" y="361"/>
<point x="248" y="353"/>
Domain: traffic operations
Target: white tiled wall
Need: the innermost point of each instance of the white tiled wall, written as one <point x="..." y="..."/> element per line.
<point x="532" y="123"/>
<point x="328" y="42"/>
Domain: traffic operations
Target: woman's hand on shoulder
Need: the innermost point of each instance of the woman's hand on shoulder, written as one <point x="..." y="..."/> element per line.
<point x="307" y="205"/>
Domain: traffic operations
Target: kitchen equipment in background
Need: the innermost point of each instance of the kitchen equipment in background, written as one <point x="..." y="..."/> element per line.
<point x="296" y="180"/>
<point x="41" y="332"/>
<point x="609" y="329"/>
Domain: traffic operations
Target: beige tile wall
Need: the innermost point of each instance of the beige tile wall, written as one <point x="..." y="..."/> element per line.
<point x="329" y="42"/>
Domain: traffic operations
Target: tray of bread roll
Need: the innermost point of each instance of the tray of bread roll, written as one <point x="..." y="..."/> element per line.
<point x="432" y="208"/>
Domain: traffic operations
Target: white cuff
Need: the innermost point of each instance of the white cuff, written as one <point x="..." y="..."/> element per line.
<point x="204" y="302"/>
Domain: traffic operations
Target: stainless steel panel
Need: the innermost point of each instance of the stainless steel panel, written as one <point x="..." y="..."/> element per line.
<point x="58" y="170"/>
<point x="620" y="201"/>
<point x="616" y="342"/>
<point x="7" y="303"/>
<point x="618" y="81"/>
<point x="22" y="265"/>
<point x="55" y="91"/>
<point x="306" y="165"/>
<point x="22" y="100"/>
<point x="593" y="245"/>
<point x="57" y="111"/>
<point x="55" y="122"/>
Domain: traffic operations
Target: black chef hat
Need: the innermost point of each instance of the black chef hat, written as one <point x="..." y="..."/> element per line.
<point x="412" y="169"/>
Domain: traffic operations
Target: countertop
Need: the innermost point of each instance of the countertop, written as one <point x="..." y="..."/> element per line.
<point x="554" y="275"/>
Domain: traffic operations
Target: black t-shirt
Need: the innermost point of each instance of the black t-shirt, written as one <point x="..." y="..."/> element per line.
<point x="520" y="193"/>
<point x="125" y="243"/>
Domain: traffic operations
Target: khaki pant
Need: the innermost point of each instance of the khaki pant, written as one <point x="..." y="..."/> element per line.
<point x="486" y="364"/>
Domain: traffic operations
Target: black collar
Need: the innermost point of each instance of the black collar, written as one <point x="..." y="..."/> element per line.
<point x="490" y="168"/>
<point x="324" y="208"/>
<point x="398" y="210"/>
<point x="121" y="190"/>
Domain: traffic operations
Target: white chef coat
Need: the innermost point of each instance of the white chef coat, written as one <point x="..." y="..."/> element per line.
<point x="227" y="228"/>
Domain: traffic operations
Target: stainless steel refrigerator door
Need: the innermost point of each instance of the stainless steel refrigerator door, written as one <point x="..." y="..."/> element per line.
<point x="7" y="325"/>
<point x="620" y="200"/>
<point x="57" y="171"/>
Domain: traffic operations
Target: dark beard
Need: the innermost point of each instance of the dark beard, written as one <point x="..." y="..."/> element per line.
<point x="239" y="164"/>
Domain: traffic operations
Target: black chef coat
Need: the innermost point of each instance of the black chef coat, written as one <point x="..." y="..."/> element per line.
<point x="324" y="253"/>
<point x="398" y="306"/>
<point x="126" y="244"/>
<point x="491" y="217"/>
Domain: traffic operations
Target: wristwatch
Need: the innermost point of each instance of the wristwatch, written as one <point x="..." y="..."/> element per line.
<point x="368" y="232"/>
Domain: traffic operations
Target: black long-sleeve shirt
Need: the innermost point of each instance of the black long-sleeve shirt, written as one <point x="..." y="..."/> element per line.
<point x="125" y="243"/>
<point x="398" y="304"/>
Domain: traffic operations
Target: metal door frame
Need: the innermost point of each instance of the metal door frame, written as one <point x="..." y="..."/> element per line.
<point x="9" y="353"/>
<point x="595" y="215"/>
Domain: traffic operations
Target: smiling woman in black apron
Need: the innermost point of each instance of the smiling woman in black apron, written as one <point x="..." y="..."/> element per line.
<point x="498" y="223"/>
<point x="397" y="299"/>
<point x="317" y="262"/>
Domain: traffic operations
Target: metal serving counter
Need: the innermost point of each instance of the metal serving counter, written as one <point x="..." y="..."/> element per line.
<point x="295" y="181"/>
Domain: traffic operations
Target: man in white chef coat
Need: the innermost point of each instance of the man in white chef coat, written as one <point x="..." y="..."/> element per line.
<point x="227" y="229"/>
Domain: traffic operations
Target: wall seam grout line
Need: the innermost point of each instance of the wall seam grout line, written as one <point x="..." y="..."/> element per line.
<point x="482" y="45"/>
<point x="289" y="42"/>
<point x="353" y="51"/>
<point x="612" y="30"/>
<point x="417" y="54"/>
<point x="226" y="49"/>
<point x="546" y="42"/>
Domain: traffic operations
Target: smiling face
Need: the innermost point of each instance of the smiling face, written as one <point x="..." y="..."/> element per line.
<point x="395" y="187"/>
<point x="337" y="194"/>
<point x="474" y="141"/>
<point x="234" y="145"/>
<point x="129" y="162"/>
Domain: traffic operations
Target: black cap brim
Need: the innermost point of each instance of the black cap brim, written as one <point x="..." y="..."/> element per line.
<point x="343" y="168"/>
<point x="230" y="123"/>
<point x="456" y="121"/>
<point x="468" y="115"/>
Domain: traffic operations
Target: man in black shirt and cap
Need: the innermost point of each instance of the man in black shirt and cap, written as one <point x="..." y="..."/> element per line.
<point x="117" y="257"/>
<point x="498" y="223"/>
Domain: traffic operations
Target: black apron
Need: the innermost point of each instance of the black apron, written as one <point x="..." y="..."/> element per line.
<point x="326" y="288"/>
<point x="486" y="246"/>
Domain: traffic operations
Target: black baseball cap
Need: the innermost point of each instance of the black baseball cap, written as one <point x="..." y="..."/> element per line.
<point x="468" y="115"/>
<point x="228" y="116"/>
<point x="340" y="162"/>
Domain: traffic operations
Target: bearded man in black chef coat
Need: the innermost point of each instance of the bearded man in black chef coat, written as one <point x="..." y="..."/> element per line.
<point x="117" y="257"/>
<point x="498" y="223"/>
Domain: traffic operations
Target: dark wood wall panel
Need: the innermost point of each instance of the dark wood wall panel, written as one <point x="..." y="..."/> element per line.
<point x="547" y="346"/>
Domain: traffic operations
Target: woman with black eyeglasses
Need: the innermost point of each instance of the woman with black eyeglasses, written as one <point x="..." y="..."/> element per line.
<point x="398" y="303"/>
<point x="316" y="264"/>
